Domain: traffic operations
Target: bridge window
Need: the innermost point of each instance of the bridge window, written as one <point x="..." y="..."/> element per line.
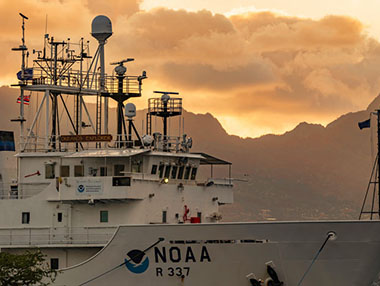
<point x="103" y="171"/>
<point x="161" y="170"/>
<point x="49" y="171"/>
<point x="78" y="171"/>
<point x="187" y="173"/>
<point x="121" y="181"/>
<point x="118" y="170"/>
<point x="164" y="216"/>
<point x="103" y="216"/>
<point x="180" y="172"/>
<point x="174" y="172"/>
<point x="193" y="173"/>
<point x="25" y="218"/>
<point x="154" y="170"/>
<point x="65" y="171"/>
<point x="136" y="166"/>
<point x="167" y="171"/>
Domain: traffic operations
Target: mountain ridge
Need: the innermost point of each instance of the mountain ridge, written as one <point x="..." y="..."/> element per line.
<point x="309" y="172"/>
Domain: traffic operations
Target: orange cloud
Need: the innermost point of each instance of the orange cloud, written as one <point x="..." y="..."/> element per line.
<point x="113" y="9"/>
<point x="244" y="67"/>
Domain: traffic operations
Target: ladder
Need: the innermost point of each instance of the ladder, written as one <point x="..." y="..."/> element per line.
<point x="149" y="123"/>
<point x="98" y="114"/>
<point x="98" y="117"/>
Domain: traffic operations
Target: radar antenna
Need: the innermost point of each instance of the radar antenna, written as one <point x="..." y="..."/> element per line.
<point x="164" y="107"/>
<point x="121" y="93"/>
<point x="122" y="61"/>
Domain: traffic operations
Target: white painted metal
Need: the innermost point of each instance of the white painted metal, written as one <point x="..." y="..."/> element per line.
<point x="235" y="251"/>
<point x="47" y="118"/>
<point x="130" y="110"/>
<point x="101" y="28"/>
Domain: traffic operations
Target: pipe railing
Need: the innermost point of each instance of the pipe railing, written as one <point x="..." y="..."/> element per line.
<point x="55" y="235"/>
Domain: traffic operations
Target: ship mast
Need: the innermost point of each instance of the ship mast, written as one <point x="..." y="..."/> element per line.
<point x="374" y="180"/>
<point x="59" y="70"/>
<point x="24" y="54"/>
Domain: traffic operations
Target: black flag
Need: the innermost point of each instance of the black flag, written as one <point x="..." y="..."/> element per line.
<point x="365" y="124"/>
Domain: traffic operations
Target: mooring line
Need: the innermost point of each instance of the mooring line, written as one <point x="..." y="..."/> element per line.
<point x="330" y="235"/>
<point x="116" y="267"/>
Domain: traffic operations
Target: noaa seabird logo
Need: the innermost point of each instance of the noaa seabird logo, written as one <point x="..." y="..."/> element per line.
<point x="81" y="188"/>
<point x="138" y="262"/>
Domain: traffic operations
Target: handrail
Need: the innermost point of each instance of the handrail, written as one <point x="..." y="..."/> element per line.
<point x="72" y="78"/>
<point x="37" y="144"/>
<point x="37" y="236"/>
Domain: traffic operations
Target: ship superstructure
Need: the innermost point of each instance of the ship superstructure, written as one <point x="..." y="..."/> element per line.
<point x="77" y="183"/>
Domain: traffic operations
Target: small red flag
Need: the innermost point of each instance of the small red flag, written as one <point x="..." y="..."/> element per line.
<point x="26" y="99"/>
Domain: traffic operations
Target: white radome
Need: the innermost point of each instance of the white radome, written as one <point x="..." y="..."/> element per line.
<point x="101" y="28"/>
<point x="130" y="110"/>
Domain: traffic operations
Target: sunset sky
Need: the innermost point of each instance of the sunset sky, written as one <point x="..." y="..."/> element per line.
<point x="258" y="66"/>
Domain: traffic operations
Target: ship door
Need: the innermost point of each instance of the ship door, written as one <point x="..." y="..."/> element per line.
<point x="60" y="230"/>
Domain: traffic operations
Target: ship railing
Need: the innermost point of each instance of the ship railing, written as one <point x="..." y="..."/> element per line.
<point x="156" y="106"/>
<point x="130" y="85"/>
<point x="85" y="81"/>
<point x="42" y="144"/>
<point x="11" y="191"/>
<point x="40" y="236"/>
<point x="71" y="78"/>
<point x="161" y="143"/>
<point x="35" y="143"/>
<point x="12" y="195"/>
<point x="221" y="181"/>
<point x="169" y="143"/>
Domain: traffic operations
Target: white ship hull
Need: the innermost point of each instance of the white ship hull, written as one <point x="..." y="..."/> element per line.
<point x="225" y="254"/>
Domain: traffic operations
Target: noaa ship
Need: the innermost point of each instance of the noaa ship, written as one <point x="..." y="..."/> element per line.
<point x="138" y="209"/>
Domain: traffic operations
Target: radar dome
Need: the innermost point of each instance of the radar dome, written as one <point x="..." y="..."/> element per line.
<point x="101" y="28"/>
<point x="130" y="110"/>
